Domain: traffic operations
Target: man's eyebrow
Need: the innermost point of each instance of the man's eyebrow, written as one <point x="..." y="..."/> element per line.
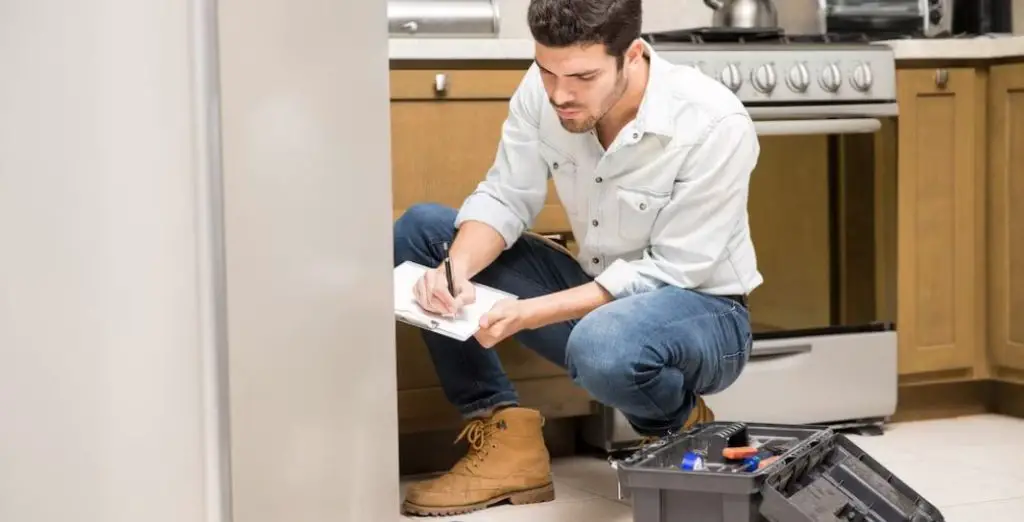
<point x="576" y="75"/>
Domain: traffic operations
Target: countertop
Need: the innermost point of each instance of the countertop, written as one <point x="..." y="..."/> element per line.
<point x="982" y="48"/>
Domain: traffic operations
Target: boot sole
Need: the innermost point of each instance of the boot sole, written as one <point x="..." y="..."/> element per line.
<point x="545" y="493"/>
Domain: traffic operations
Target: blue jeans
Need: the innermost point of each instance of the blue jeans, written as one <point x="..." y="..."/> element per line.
<point x="648" y="355"/>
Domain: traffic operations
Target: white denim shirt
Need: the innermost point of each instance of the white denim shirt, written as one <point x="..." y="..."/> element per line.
<point x="666" y="204"/>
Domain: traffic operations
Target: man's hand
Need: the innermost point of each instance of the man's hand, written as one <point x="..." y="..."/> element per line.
<point x="505" y="319"/>
<point x="431" y="292"/>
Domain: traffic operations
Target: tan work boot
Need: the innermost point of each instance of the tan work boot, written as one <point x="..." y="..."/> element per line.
<point x="700" y="414"/>
<point x="507" y="460"/>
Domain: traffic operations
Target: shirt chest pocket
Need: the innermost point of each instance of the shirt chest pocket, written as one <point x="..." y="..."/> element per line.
<point x="638" y="209"/>
<point x="562" y="170"/>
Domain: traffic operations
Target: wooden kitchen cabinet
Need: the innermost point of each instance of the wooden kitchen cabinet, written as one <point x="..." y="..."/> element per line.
<point x="445" y="128"/>
<point x="940" y="282"/>
<point x="1006" y="221"/>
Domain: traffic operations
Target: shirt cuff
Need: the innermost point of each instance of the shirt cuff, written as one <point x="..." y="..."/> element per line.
<point x="622" y="279"/>
<point x="488" y="210"/>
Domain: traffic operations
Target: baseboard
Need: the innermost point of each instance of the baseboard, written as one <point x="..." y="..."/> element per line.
<point x="1009" y="399"/>
<point x="957" y="399"/>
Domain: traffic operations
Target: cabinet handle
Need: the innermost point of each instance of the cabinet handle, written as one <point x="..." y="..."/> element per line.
<point x="941" y="78"/>
<point x="440" y="83"/>
<point x="411" y="26"/>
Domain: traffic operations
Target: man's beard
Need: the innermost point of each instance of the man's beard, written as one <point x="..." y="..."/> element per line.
<point x="590" y="122"/>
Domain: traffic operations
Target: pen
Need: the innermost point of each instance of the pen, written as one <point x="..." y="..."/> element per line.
<point x="448" y="271"/>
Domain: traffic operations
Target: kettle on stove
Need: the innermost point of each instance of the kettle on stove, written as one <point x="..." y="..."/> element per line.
<point x="744" y="14"/>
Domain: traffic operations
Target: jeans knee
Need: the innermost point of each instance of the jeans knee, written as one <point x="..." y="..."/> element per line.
<point x="596" y="359"/>
<point x="424" y="218"/>
<point x="416" y="231"/>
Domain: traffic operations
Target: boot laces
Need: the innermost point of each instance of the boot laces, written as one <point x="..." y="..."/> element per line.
<point x="480" y="434"/>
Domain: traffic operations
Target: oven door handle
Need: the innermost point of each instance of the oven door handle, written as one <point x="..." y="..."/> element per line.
<point x="822" y="126"/>
<point x="779" y="350"/>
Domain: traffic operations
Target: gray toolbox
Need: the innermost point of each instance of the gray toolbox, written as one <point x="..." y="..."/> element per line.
<point x="798" y="474"/>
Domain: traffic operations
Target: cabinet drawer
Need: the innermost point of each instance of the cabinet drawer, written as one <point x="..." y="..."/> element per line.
<point x="437" y="84"/>
<point x="936" y="80"/>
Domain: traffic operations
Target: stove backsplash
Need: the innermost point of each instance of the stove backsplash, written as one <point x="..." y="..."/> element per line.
<point x="795" y="16"/>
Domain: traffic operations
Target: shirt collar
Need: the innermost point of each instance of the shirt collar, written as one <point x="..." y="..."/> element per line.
<point x="655" y="114"/>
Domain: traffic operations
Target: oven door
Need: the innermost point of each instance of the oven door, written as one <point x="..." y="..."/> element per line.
<point x="822" y="219"/>
<point x="825" y="346"/>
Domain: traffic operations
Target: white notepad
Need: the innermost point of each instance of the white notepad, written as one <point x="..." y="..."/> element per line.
<point x="461" y="327"/>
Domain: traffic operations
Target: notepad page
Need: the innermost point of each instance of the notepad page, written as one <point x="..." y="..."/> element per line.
<point x="461" y="327"/>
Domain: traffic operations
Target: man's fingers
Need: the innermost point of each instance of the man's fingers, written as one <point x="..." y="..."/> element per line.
<point x="419" y="290"/>
<point x="467" y="294"/>
<point x="492" y="330"/>
<point x="442" y="296"/>
<point x="490" y="319"/>
<point x="464" y="299"/>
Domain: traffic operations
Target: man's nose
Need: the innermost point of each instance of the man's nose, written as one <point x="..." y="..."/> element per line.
<point x="561" y="96"/>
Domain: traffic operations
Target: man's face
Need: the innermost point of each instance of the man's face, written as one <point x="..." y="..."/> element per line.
<point x="582" y="83"/>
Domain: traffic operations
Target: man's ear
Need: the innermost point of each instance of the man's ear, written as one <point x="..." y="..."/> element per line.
<point x="635" y="52"/>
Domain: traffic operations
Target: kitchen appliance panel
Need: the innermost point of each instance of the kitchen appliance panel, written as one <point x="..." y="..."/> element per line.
<point x="443" y="18"/>
<point x="888" y="18"/>
<point x="978" y="17"/>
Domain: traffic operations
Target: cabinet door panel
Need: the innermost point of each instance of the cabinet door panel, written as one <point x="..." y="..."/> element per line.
<point x="1006" y="219"/>
<point x="441" y="150"/>
<point x="937" y="221"/>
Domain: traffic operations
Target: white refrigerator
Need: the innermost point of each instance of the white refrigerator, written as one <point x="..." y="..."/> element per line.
<point x="195" y="259"/>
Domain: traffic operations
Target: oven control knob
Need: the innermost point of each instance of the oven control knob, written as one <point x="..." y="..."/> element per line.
<point x="798" y="78"/>
<point x="861" y="79"/>
<point x="731" y="77"/>
<point x="763" y="78"/>
<point x="831" y="78"/>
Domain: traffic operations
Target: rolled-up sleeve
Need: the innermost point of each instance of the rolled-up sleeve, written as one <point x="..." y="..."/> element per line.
<point x="707" y="206"/>
<point x="514" y="190"/>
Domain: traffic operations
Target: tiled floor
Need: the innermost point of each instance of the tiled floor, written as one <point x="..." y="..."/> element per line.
<point x="972" y="468"/>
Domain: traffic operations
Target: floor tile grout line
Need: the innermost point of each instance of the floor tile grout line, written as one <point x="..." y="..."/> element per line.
<point x="980" y="502"/>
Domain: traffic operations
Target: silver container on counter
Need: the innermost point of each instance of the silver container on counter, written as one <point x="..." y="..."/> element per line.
<point x="443" y="18"/>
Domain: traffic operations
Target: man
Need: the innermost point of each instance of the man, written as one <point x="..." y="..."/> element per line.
<point x="652" y="163"/>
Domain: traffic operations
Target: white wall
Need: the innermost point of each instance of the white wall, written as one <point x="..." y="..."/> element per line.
<point x="101" y="370"/>
<point x="308" y="218"/>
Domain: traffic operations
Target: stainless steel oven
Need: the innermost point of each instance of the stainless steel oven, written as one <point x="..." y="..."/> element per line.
<point x="822" y="214"/>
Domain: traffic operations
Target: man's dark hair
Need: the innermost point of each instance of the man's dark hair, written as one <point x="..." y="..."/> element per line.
<point x="562" y="23"/>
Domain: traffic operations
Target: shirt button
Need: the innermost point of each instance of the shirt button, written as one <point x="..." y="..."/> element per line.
<point x="636" y="135"/>
<point x="594" y="222"/>
<point x="598" y="179"/>
<point x="643" y="206"/>
<point x="554" y="165"/>
<point x="595" y="260"/>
